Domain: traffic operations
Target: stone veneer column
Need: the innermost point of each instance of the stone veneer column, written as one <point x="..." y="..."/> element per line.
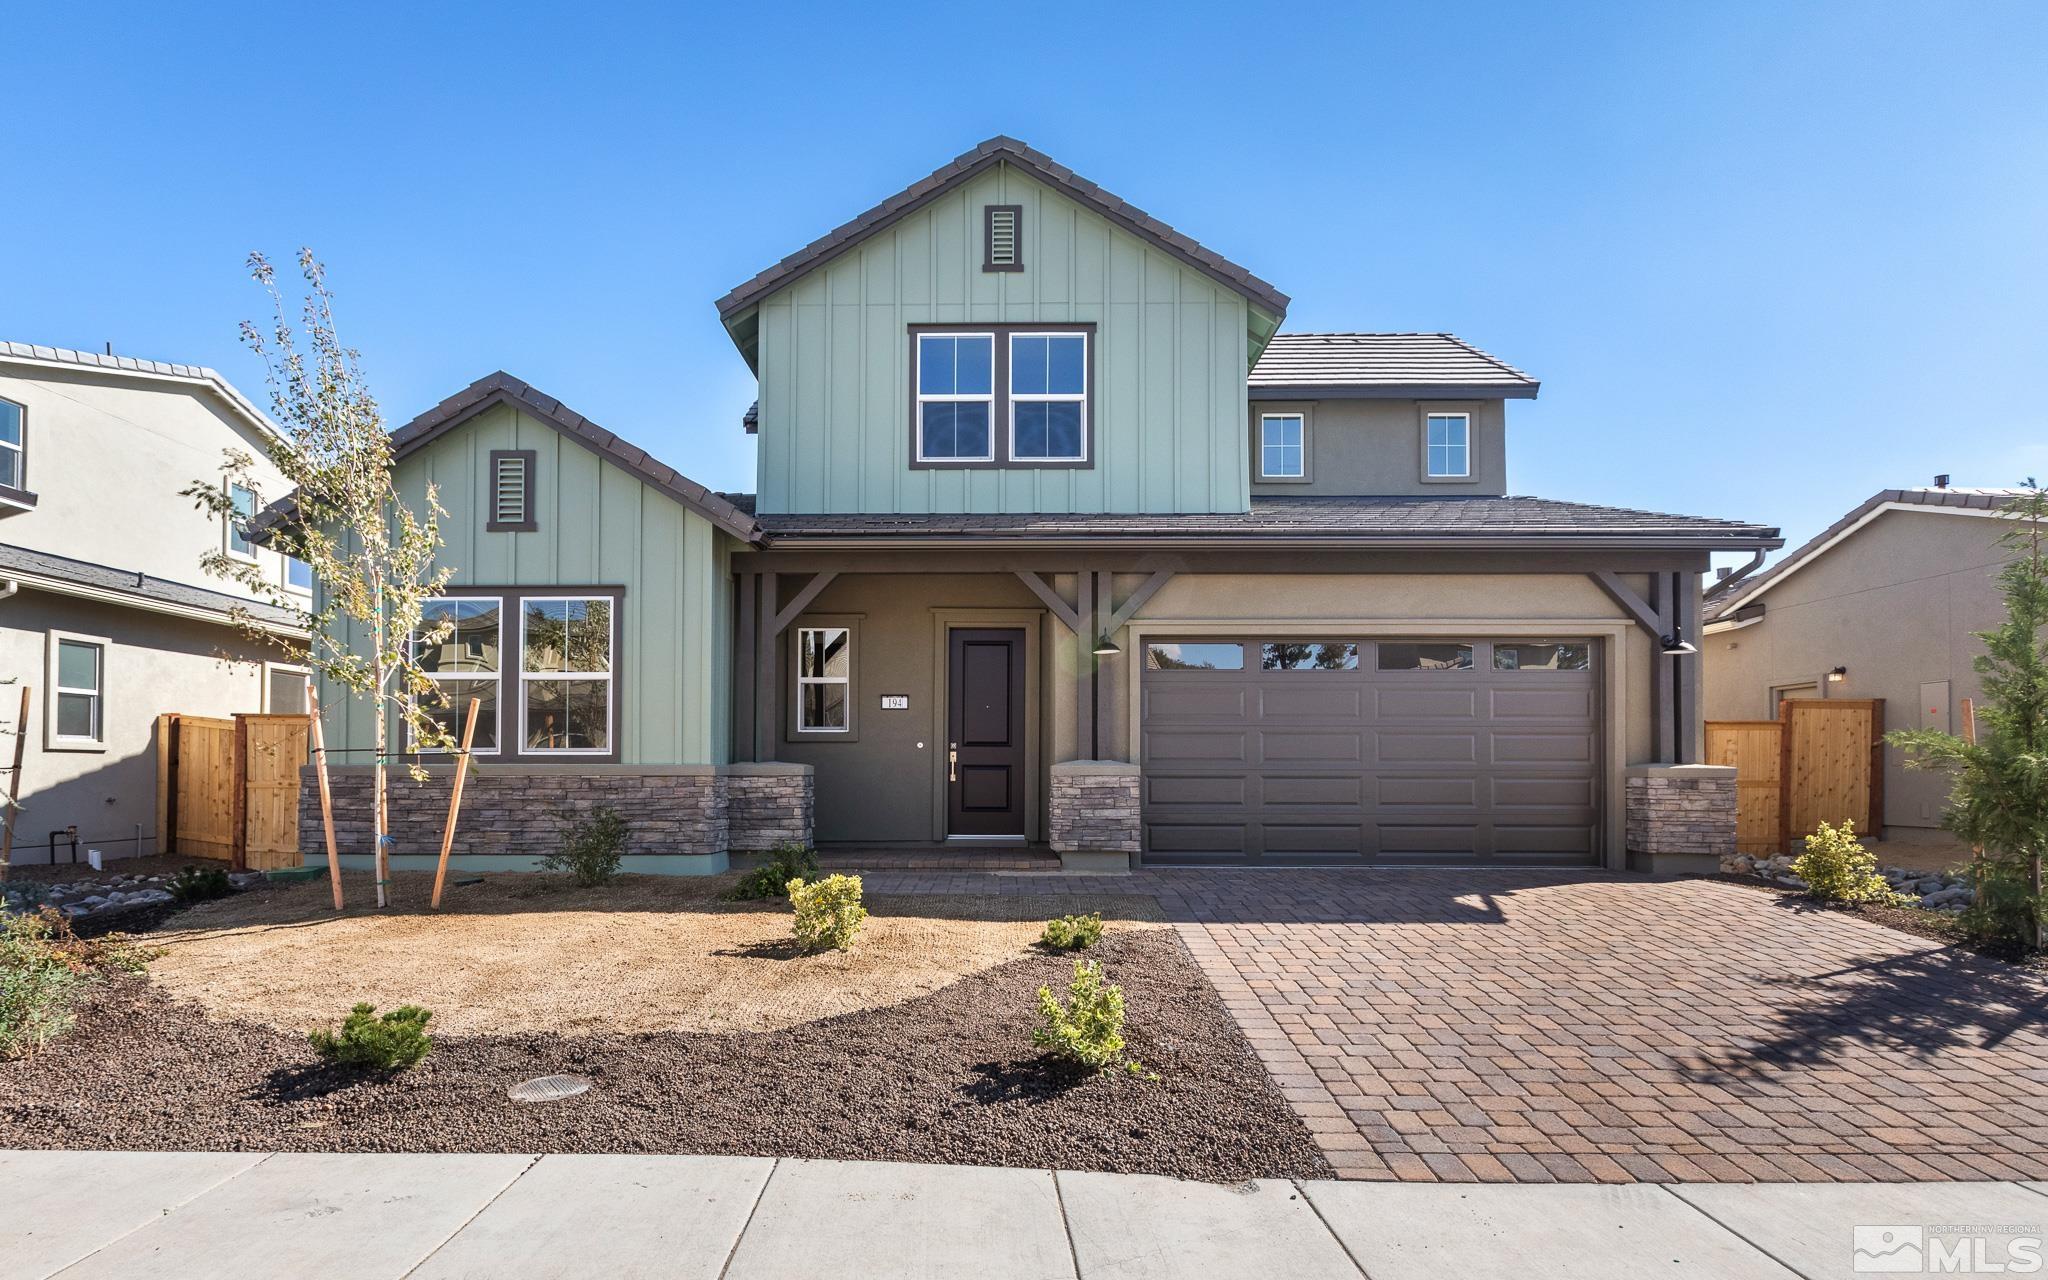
<point x="1681" y="817"/>
<point x="1093" y="814"/>
<point x="768" y="804"/>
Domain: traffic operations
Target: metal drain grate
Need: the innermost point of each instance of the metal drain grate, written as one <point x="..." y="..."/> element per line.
<point x="547" y="1089"/>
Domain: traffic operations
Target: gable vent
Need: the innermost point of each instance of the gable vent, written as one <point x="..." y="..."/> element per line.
<point x="511" y="490"/>
<point x="1005" y="238"/>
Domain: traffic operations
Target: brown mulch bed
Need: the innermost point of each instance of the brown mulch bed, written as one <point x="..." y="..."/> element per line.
<point x="950" y="1077"/>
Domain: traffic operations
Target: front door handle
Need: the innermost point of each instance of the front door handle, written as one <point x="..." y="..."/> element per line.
<point x="952" y="762"/>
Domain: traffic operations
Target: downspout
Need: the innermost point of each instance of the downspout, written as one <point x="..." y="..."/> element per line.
<point x="1756" y="559"/>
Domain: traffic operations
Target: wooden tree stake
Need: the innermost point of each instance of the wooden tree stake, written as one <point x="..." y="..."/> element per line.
<point x="1976" y="850"/>
<point x="326" y="796"/>
<point x="13" y="787"/>
<point x="455" y="799"/>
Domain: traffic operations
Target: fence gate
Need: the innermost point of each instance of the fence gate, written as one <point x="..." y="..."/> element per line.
<point x="1821" y="760"/>
<point x="229" y="789"/>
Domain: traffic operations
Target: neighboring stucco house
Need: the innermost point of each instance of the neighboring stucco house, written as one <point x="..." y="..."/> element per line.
<point x="1884" y="603"/>
<point x="1059" y="543"/>
<point x="104" y="610"/>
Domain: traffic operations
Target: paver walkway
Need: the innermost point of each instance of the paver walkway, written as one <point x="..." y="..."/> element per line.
<point x="1541" y="1026"/>
<point x="173" y="1216"/>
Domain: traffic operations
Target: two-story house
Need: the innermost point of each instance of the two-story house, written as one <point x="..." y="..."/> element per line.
<point x="1059" y="542"/>
<point x="105" y="612"/>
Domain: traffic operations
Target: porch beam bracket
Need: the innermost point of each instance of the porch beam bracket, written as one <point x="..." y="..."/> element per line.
<point x="1136" y="601"/>
<point x="1638" y="608"/>
<point x="802" y="600"/>
<point x="1060" y="608"/>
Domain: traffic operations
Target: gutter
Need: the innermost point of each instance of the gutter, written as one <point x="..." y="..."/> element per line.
<point x="58" y="586"/>
<point x="1714" y="589"/>
<point x="1491" y="542"/>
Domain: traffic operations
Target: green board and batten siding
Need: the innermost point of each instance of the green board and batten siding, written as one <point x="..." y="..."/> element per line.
<point x="598" y="526"/>
<point x="1170" y="362"/>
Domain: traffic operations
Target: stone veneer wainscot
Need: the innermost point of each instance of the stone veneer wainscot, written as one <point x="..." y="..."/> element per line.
<point x="1681" y="817"/>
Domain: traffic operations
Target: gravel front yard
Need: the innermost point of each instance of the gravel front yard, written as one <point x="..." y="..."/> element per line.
<point x="949" y="1076"/>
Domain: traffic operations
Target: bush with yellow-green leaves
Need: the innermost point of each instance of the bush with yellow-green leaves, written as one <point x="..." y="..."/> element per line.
<point x="828" y="912"/>
<point x="1837" y="868"/>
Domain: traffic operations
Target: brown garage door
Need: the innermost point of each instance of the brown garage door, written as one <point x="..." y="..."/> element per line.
<point x="1300" y="748"/>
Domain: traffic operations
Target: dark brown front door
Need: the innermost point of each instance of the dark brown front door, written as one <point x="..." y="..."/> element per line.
<point x="985" y="733"/>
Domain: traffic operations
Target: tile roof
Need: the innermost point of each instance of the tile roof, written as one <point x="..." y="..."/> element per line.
<point x="1448" y="519"/>
<point x="1003" y="150"/>
<point x="1735" y="594"/>
<point x="140" y="586"/>
<point x="1438" y="361"/>
<point x="33" y="353"/>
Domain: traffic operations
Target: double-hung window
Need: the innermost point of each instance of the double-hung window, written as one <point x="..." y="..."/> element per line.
<point x="565" y="675"/>
<point x="956" y="393"/>
<point x="1283" y="447"/>
<point x="458" y="648"/>
<point x="1448" y="445"/>
<point x="1049" y="397"/>
<point x="824" y="679"/>
<point x="242" y="500"/>
<point x="78" y="683"/>
<point x="13" y="446"/>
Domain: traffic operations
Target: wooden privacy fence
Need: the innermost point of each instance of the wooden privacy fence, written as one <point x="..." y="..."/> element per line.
<point x="229" y="789"/>
<point x="1821" y="760"/>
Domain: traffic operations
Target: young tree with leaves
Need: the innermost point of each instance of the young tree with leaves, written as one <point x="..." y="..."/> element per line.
<point x="372" y="556"/>
<point x="2000" y="799"/>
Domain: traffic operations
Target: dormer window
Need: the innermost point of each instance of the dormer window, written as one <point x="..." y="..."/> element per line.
<point x="1447" y="446"/>
<point x="511" y="491"/>
<point x="1003" y="237"/>
<point x="1283" y="446"/>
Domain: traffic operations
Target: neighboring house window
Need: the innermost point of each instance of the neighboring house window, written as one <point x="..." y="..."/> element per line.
<point x="243" y="499"/>
<point x="13" y="446"/>
<point x="1283" y="446"/>
<point x="955" y="397"/>
<point x="511" y="491"/>
<point x="1003" y="238"/>
<point x="284" y="689"/>
<point x="1049" y="396"/>
<point x="463" y="663"/>
<point x="78" y="692"/>
<point x="298" y="575"/>
<point x="565" y="675"/>
<point x="1003" y="395"/>
<point x="824" y="679"/>
<point x="1449" y="445"/>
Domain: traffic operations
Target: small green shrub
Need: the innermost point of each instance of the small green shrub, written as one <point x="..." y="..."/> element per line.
<point x="828" y="913"/>
<point x="44" y="970"/>
<point x="1089" y="1028"/>
<point x="592" y="849"/>
<point x="786" y="862"/>
<point x="200" y="884"/>
<point x="392" y="1042"/>
<point x="1837" y="868"/>
<point x="1073" y="933"/>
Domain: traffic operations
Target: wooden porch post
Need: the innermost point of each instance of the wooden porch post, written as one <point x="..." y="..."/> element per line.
<point x="765" y="673"/>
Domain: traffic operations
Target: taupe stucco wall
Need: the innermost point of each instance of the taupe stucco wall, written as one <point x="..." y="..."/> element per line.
<point x="1375" y="447"/>
<point x="1896" y="603"/>
<point x="155" y="664"/>
<point x="880" y="784"/>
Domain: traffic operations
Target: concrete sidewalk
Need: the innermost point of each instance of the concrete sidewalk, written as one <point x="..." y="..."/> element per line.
<point x="136" y="1215"/>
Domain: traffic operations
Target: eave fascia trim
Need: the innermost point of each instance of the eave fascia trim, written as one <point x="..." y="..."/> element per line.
<point x="102" y="595"/>
<point x="1386" y="391"/>
<point x="1240" y="543"/>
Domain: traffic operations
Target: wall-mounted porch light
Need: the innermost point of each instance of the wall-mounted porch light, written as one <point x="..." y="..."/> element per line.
<point x="1676" y="645"/>
<point x="1838" y="675"/>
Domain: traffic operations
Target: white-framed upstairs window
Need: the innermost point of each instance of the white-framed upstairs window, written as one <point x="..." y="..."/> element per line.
<point x="77" y="707"/>
<point x="824" y="680"/>
<point x="13" y="445"/>
<point x="566" y="645"/>
<point x="1447" y="446"/>
<point x="1283" y="446"/>
<point x="458" y="646"/>
<point x="956" y="397"/>
<point x="235" y="526"/>
<point x="1049" y="397"/>
<point x="296" y="574"/>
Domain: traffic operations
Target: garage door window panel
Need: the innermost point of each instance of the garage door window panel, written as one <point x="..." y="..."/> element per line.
<point x="1309" y="656"/>
<point x="1542" y="655"/>
<point x="1193" y="656"/>
<point x="1404" y="656"/>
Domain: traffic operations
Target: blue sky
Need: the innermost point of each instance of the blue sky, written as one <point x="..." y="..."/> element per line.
<point x="1766" y="258"/>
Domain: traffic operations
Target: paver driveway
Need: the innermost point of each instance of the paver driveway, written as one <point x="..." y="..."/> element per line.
<point x="1511" y="1025"/>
